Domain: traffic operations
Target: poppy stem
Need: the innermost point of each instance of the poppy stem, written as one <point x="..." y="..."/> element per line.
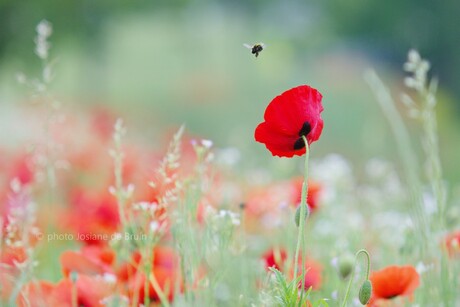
<point x="304" y="212"/>
<point x="368" y="270"/>
<point x="156" y="286"/>
<point x="74" y="289"/>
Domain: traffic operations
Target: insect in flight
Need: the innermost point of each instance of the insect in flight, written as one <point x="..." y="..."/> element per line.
<point x="256" y="48"/>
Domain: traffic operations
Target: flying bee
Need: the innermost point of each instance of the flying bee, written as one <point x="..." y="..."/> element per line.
<point x="256" y="48"/>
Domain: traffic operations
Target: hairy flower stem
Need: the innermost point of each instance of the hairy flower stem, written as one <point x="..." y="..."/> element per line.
<point x="368" y="257"/>
<point x="303" y="216"/>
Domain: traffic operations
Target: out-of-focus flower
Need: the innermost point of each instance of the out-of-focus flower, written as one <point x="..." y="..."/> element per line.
<point x="393" y="281"/>
<point x="84" y="291"/>
<point x="314" y="191"/>
<point x="277" y="258"/>
<point x="9" y="259"/>
<point x="165" y="270"/>
<point x="102" y="121"/>
<point x="452" y="243"/>
<point x="267" y="203"/>
<point x="93" y="215"/>
<point x="90" y="260"/>
<point x="313" y="274"/>
<point x="290" y="116"/>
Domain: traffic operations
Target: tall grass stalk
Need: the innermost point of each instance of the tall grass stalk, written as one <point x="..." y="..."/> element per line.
<point x="424" y="110"/>
<point x="406" y="153"/>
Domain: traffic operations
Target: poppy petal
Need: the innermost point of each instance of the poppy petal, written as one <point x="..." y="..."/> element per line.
<point x="288" y="117"/>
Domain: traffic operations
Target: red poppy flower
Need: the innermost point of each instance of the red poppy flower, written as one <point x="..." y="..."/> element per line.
<point x="275" y="258"/>
<point x="313" y="274"/>
<point x="93" y="215"/>
<point x="288" y="117"/>
<point x="452" y="244"/>
<point x="165" y="269"/>
<point x="89" y="291"/>
<point x="393" y="281"/>
<point x="91" y="260"/>
<point x="9" y="272"/>
<point x="314" y="191"/>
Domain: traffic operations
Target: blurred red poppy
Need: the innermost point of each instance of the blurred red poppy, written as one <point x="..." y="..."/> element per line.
<point x="452" y="243"/>
<point x="10" y="257"/>
<point x="86" y="291"/>
<point x="288" y="117"/>
<point x="314" y="191"/>
<point x="393" y="281"/>
<point x="165" y="269"/>
<point x="275" y="258"/>
<point x="93" y="216"/>
<point x="313" y="272"/>
<point x="90" y="260"/>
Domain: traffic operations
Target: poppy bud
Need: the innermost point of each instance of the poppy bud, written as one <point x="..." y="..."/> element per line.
<point x="365" y="292"/>
<point x="345" y="265"/>
<point x="297" y="214"/>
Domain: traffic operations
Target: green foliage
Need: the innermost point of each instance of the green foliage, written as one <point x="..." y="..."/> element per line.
<point x="288" y="294"/>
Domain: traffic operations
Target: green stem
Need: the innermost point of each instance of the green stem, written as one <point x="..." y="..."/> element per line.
<point x="303" y="216"/>
<point x="368" y="257"/>
<point x="74" y="294"/>
<point x="407" y="154"/>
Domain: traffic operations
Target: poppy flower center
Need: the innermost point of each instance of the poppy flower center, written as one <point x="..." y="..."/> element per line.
<point x="304" y="131"/>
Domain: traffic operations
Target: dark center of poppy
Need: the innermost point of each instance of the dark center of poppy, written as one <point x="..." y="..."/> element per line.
<point x="304" y="131"/>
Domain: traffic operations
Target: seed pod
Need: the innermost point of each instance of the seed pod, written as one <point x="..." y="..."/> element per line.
<point x="365" y="292"/>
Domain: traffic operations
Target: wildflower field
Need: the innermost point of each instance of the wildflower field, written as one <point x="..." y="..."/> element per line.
<point x="207" y="159"/>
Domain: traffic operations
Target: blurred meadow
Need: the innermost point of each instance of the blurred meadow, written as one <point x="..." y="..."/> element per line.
<point x="161" y="65"/>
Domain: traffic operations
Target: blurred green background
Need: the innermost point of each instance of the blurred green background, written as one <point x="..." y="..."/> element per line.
<point x="163" y="63"/>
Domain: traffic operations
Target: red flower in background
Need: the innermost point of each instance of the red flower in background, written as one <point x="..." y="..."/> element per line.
<point x="393" y="281"/>
<point x="276" y="258"/>
<point x="314" y="191"/>
<point x="89" y="291"/>
<point x="452" y="243"/>
<point x="288" y="117"/>
<point x="9" y="258"/>
<point x="91" y="260"/>
<point x="313" y="271"/>
<point x="93" y="215"/>
<point x="165" y="269"/>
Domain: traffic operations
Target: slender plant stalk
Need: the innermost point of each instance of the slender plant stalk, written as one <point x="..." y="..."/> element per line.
<point x="303" y="215"/>
<point x="161" y="294"/>
<point x="74" y="294"/>
<point x="406" y="153"/>
<point x="361" y="251"/>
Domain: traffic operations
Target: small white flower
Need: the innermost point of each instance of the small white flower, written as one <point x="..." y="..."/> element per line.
<point x="110" y="278"/>
<point x="44" y="29"/>
<point x="154" y="226"/>
<point x="206" y="143"/>
<point x="112" y="190"/>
